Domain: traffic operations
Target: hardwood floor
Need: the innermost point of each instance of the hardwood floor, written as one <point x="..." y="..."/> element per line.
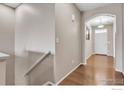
<point x="99" y="70"/>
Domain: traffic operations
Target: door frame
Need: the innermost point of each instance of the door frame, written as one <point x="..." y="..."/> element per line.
<point x="114" y="35"/>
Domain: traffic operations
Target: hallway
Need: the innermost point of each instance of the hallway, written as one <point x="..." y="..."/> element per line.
<point x="44" y="43"/>
<point x="99" y="70"/>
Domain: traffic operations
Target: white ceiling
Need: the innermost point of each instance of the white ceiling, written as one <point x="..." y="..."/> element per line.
<point x="90" y="6"/>
<point x="105" y="20"/>
<point x="13" y="5"/>
<point x="81" y="6"/>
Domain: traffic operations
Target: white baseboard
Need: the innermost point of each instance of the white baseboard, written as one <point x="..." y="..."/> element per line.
<point x="123" y="73"/>
<point x="83" y="63"/>
<point x="68" y="74"/>
<point x="87" y="59"/>
<point x="118" y="70"/>
<point x="89" y="56"/>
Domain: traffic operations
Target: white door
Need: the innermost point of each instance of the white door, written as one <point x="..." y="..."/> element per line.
<point x="101" y="41"/>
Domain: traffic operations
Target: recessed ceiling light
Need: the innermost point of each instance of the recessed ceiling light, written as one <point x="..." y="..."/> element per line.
<point x="100" y="26"/>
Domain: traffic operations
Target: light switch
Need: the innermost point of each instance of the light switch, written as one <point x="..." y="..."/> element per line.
<point x="73" y="17"/>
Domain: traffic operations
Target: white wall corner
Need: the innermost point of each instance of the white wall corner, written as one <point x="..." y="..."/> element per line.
<point x="84" y="63"/>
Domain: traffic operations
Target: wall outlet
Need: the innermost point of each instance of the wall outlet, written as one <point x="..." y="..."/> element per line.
<point x="57" y="40"/>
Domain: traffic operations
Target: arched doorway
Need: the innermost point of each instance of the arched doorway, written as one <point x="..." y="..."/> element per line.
<point x="100" y="36"/>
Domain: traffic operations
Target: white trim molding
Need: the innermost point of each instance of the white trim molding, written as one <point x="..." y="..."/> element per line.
<point x="89" y="56"/>
<point x="123" y="73"/>
<point x="83" y="63"/>
<point x="118" y="70"/>
<point x="68" y="74"/>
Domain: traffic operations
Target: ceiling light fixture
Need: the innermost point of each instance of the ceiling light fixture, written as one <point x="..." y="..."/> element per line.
<point x="100" y="26"/>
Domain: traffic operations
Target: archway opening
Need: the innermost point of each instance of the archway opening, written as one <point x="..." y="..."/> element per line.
<point x="100" y="36"/>
<point x="99" y="48"/>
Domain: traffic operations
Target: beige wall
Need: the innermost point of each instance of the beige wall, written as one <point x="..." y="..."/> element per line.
<point x="115" y="9"/>
<point x="68" y="39"/>
<point x="7" y="19"/>
<point x="21" y="55"/>
<point x="2" y="73"/>
<point x="123" y="40"/>
<point x="35" y="31"/>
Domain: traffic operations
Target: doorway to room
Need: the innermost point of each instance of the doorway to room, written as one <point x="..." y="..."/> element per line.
<point x="100" y="36"/>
